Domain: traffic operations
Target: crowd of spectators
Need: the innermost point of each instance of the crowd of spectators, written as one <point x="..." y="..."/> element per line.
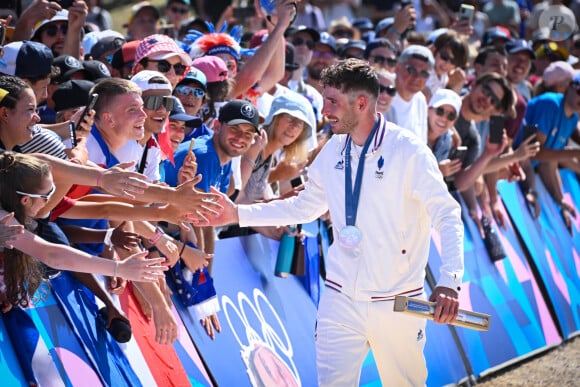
<point x="196" y="98"/>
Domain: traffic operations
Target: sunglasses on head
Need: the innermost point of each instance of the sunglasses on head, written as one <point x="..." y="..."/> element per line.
<point x="188" y="90"/>
<point x="297" y="41"/>
<point x="164" y="66"/>
<point x="52" y="30"/>
<point x="181" y="11"/>
<point x="488" y="92"/>
<point x="154" y="102"/>
<point x="446" y="58"/>
<point x="41" y="196"/>
<point x="451" y="116"/>
<point x="390" y="90"/>
<point x="412" y="71"/>
<point x="379" y="59"/>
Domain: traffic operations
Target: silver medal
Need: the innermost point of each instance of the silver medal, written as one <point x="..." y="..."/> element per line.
<point x="349" y="237"/>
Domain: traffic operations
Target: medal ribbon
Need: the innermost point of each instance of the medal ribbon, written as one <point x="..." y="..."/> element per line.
<point x="351" y="197"/>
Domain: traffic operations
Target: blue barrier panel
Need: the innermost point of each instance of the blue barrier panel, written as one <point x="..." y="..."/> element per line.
<point x="10" y="371"/>
<point x="68" y="355"/>
<point x="507" y="290"/>
<point x="267" y="322"/>
<point x="552" y="251"/>
<point x="80" y="309"/>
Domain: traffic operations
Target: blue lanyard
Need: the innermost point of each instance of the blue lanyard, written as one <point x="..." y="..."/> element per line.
<point x="351" y="197"/>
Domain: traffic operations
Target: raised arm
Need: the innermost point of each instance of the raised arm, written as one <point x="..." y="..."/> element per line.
<point x="64" y="257"/>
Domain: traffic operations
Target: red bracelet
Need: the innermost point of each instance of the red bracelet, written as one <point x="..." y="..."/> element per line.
<point x="155" y="238"/>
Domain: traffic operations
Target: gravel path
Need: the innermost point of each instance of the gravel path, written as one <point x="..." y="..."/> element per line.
<point x="559" y="366"/>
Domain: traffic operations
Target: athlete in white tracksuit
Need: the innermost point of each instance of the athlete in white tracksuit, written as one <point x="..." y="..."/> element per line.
<point x="402" y="196"/>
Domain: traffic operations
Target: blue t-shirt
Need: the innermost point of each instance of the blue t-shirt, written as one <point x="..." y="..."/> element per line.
<point x="202" y="130"/>
<point x="547" y="111"/>
<point x="208" y="165"/>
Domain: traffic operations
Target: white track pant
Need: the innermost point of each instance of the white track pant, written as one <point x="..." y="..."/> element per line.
<point x="345" y="331"/>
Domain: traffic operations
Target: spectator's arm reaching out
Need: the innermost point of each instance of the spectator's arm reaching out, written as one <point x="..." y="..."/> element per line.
<point x="266" y="67"/>
<point x="77" y="15"/>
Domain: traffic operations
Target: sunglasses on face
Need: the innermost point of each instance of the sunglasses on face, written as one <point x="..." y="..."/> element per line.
<point x="52" y="30"/>
<point x="451" y="116"/>
<point x="412" y="71"/>
<point x="188" y="90"/>
<point x="154" y="102"/>
<point x="446" y="58"/>
<point x="343" y="34"/>
<point x="390" y="90"/>
<point x="488" y="92"/>
<point x="380" y="60"/>
<point x="164" y="66"/>
<point x="181" y="11"/>
<point x="352" y="56"/>
<point x="321" y="54"/>
<point x="299" y="41"/>
<point x="41" y="196"/>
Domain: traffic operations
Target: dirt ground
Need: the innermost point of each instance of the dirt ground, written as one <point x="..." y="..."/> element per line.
<point x="559" y="366"/>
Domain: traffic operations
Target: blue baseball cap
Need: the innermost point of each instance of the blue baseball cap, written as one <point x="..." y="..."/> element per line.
<point x="195" y="74"/>
<point x="327" y="40"/>
<point x="363" y="24"/>
<point x="384" y="24"/>
<point x="178" y="113"/>
<point x="26" y="59"/>
<point x="518" y="45"/>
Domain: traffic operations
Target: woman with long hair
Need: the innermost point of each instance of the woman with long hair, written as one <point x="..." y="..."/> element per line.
<point x="26" y="185"/>
<point x="281" y="151"/>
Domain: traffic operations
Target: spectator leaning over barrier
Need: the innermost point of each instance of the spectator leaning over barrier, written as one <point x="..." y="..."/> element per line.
<point x="234" y="132"/>
<point x="557" y="117"/>
<point x="32" y="62"/>
<point x="489" y="94"/>
<point x="27" y="184"/>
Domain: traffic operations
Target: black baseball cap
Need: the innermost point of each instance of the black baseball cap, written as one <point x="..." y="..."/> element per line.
<point x="239" y="111"/>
